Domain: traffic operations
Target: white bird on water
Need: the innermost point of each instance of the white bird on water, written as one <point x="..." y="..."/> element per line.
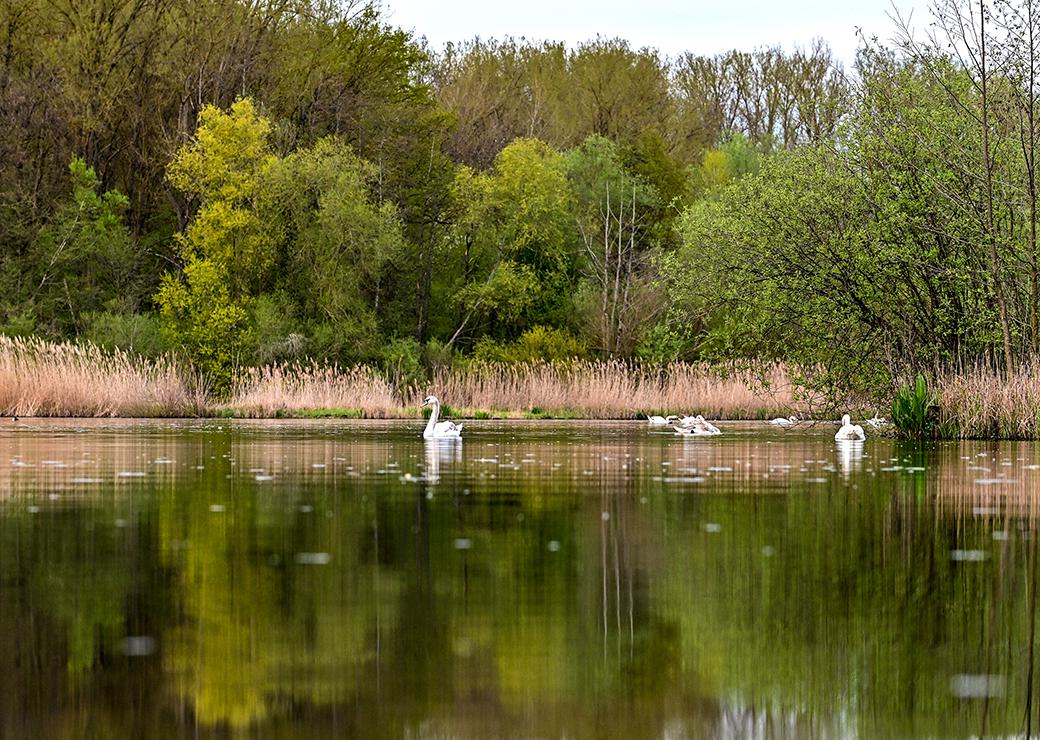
<point x="692" y="431"/>
<point x="661" y="420"/>
<point x="439" y="430"/>
<point x="849" y="432"/>
<point x="699" y="425"/>
<point x="780" y="421"/>
<point x="878" y="421"/>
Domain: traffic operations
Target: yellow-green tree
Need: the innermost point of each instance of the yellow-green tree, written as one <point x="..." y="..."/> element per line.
<point x="228" y="248"/>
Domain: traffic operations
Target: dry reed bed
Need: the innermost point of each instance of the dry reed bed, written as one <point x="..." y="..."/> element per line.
<point x="39" y="378"/>
<point x="982" y="404"/>
<point x="286" y="390"/>
<point x="613" y="389"/>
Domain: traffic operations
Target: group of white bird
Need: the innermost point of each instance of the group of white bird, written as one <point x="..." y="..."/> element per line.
<point x="847" y="432"/>
<point x="686" y="426"/>
<point x="697" y="426"/>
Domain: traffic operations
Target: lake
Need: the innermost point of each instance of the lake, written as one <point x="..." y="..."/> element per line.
<point x="547" y="579"/>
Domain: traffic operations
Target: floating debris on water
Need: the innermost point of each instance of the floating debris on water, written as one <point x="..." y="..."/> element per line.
<point x="137" y="646"/>
<point x="712" y="527"/>
<point x="973" y="556"/>
<point x="1000" y="535"/>
<point x="985" y="510"/>
<point x="313" y="558"/>
<point x="994" y="481"/>
<point x="130" y="474"/>
<point x="34" y="509"/>
<point x="216" y="508"/>
<point x="605" y="515"/>
<point x="306" y="508"/>
<point x="976" y="685"/>
<point x="263" y="478"/>
<point x="463" y="543"/>
<point x="768" y="551"/>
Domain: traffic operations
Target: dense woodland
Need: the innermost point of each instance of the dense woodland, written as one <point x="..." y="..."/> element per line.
<point x="246" y="182"/>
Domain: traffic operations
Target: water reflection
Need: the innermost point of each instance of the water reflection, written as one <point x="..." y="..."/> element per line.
<point x="438" y="451"/>
<point x="544" y="579"/>
<point x="850" y="456"/>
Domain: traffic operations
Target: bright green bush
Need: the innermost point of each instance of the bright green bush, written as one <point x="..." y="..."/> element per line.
<point x="539" y="343"/>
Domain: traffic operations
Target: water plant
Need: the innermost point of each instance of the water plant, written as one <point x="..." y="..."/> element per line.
<point x="914" y="410"/>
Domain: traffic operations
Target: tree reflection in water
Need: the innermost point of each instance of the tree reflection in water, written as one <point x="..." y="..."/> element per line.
<point x="544" y="579"/>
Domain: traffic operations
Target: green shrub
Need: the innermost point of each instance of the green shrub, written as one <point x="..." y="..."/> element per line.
<point x="539" y="343"/>
<point x="402" y="361"/>
<point x="137" y="333"/>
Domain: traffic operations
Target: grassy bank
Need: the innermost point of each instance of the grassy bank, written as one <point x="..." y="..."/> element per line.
<point x="42" y="379"/>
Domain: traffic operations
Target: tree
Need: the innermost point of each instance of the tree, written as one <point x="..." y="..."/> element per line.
<point x="520" y="231"/>
<point x="339" y="245"/>
<point x="228" y="248"/>
<point x="82" y="260"/>
<point x="612" y="212"/>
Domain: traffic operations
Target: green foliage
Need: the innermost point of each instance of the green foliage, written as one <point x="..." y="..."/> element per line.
<point x="504" y="297"/>
<point x="403" y="363"/>
<point x="663" y="342"/>
<point x="227" y="248"/>
<point x="539" y="343"/>
<point x="733" y="159"/>
<point x="200" y="317"/>
<point x="340" y="244"/>
<point x="518" y="239"/>
<point x="913" y="410"/>
<point x="274" y="335"/>
<point x="225" y="169"/>
<point x="81" y="259"/>
<point x="138" y="333"/>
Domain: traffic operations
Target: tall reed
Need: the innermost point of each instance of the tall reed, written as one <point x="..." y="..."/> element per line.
<point x="983" y="404"/>
<point x="39" y="378"/>
<point x="615" y="389"/>
<point x="289" y="389"/>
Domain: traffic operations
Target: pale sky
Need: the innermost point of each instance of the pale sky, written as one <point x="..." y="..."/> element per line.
<point x="670" y="26"/>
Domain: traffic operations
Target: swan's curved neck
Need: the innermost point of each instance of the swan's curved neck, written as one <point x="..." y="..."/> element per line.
<point x="433" y="419"/>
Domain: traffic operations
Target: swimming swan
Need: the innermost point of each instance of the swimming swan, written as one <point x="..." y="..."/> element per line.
<point x="693" y="432"/>
<point x="661" y="420"/>
<point x="699" y="423"/>
<point x="878" y="421"/>
<point x="849" y="431"/>
<point x="780" y="421"/>
<point x="439" y="430"/>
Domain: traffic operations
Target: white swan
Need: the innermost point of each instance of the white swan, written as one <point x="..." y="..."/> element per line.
<point x="439" y="430"/>
<point x="780" y="421"/>
<point x="699" y="423"/>
<point x="692" y="432"/>
<point x="878" y="421"/>
<point x="661" y="420"/>
<point x="849" y="432"/>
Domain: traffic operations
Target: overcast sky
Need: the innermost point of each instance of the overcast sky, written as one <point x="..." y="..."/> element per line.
<point x="670" y="26"/>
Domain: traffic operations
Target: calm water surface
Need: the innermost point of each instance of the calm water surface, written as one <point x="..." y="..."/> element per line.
<point x="346" y="579"/>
